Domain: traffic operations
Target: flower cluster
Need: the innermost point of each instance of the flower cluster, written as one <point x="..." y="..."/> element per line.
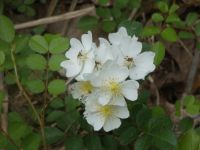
<point x="107" y="75"/>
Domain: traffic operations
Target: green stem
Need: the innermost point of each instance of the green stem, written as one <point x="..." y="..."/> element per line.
<point x="27" y="97"/>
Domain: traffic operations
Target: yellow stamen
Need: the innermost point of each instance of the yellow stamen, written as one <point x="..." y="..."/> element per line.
<point x="114" y="87"/>
<point x="86" y="87"/>
<point x="106" y="110"/>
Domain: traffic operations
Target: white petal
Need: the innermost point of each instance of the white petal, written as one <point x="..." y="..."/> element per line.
<point x="76" y="44"/>
<point x="72" y="53"/>
<point x="144" y="65"/>
<point x="122" y="31"/>
<point x="121" y="112"/>
<point x="104" y="97"/>
<point x="72" y="67"/>
<point x="114" y="72"/>
<point x="96" y="120"/>
<point x="130" y="89"/>
<point x="111" y="123"/>
<point x="87" y="41"/>
<point x="114" y="38"/>
<point x="118" y="100"/>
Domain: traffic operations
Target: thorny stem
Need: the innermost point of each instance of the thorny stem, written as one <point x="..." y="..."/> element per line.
<point x="27" y="97"/>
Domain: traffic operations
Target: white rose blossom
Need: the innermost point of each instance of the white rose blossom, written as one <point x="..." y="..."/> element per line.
<point x="106" y="116"/>
<point x="106" y="75"/>
<point x="81" y="57"/>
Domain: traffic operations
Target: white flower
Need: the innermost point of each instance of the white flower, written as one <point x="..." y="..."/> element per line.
<point x="81" y="57"/>
<point x="111" y="85"/>
<point x="139" y="64"/>
<point x="106" y="116"/>
<point x="103" y="53"/>
<point x="81" y="89"/>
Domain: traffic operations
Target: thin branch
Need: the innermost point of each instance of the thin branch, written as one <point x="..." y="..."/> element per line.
<point x="51" y="8"/>
<point x="4" y="120"/>
<point x="192" y="72"/>
<point x="185" y="48"/>
<point x="54" y="19"/>
<point x="66" y="23"/>
<point x="27" y="97"/>
<point x="133" y="13"/>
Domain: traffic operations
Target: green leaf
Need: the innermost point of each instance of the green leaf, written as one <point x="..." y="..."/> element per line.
<point x="173" y="8"/>
<point x="56" y="87"/>
<point x="93" y="142"/>
<point x="157" y="17"/>
<point x="58" y="45"/>
<point x="54" y="115"/>
<point x="57" y="103"/>
<point x="150" y="31"/>
<point x="109" y="142"/>
<point x="121" y="3"/>
<point x="36" y="62"/>
<point x="10" y="78"/>
<point x="197" y="29"/>
<point x="186" y="124"/>
<point x="173" y="18"/>
<point x="103" y="12"/>
<point x="2" y="57"/>
<point x="71" y="104"/>
<point x="133" y="27"/>
<point x="38" y="44"/>
<point x="31" y="142"/>
<point x="103" y="2"/>
<point x="53" y="135"/>
<point x="36" y="86"/>
<point x="163" y="138"/>
<point x="162" y="6"/>
<point x="189" y="141"/>
<point x="143" y="117"/>
<point x="108" y="25"/>
<point x="87" y="23"/>
<point x="186" y="35"/>
<point x="169" y="34"/>
<point x="7" y="31"/>
<point x="159" y="50"/>
<point x="54" y="62"/>
<point x="21" y="42"/>
<point x="191" y="18"/>
<point x="128" y="135"/>
<point x="142" y="143"/>
<point x="74" y="143"/>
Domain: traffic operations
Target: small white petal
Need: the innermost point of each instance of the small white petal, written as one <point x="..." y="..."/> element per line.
<point x="130" y="89"/>
<point x="76" y="44"/>
<point x="118" y="100"/>
<point x="111" y="123"/>
<point x="121" y="112"/>
<point x="122" y="31"/>
<point x="114" y="38"/>
<point x="72" y="53"/>
<point x="87" y="41"/>
<point x="104" y="97"/>
<point x="96" y="120"/>
<point x="72" y="67"/>
<point x="143" y="65"/>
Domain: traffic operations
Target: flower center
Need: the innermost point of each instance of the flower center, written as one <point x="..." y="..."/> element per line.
<point x="86" y="87"/>
<point x="82" y="56"/>
<point x="106" y="110"/>
<point x="114" y="87"/>
<point x="129" y="62"/>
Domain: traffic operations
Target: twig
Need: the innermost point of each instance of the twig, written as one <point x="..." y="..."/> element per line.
<point x="51" y="7"/>
<point x="66" y="23"/>
<point x="4" y="120"/>
<point x="27" y="97"/>
<point x="192" y="72"/>
<point x="156" y="90"/>
<point x="185" y="48"/>
<point x="132" y="15"/>
<point x="53" y="19"/>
